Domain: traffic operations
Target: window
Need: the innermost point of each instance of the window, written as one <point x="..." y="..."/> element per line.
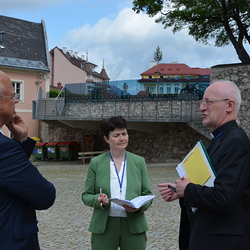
<point x="161" y="89"/>
<point x="188" y="77"/>
<point x="176" y="88"/>
<point x="92" y="68"/>
<point x="18" y="88"/>
<point x="169" y="89"/>
<point x="151" y="89"/>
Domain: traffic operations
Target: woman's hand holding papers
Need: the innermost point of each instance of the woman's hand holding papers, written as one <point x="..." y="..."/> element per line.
<point x="131" y="209"/>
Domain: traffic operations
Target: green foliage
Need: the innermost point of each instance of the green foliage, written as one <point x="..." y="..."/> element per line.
<point x="224" y="21"/>
<point x="151" y="7"/>
<point x="157" y="55"/>
<point x="53" y="93"/>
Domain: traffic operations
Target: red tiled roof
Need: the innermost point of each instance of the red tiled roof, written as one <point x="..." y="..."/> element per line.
<point x="176" y="69"/>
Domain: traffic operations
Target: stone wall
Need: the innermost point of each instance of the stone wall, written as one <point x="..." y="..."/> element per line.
<point x="171" y="146"/>
<point x="174" y="110"/>
<point x="240" y="74"/>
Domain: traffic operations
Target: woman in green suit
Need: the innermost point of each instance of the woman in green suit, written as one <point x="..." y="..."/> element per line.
<point x="117" y="174"/>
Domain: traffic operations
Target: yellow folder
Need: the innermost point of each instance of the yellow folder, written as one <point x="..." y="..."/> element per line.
<point x="196" y="168"/>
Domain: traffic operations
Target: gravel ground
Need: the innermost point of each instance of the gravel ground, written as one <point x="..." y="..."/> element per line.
<point x="65" y="224"/>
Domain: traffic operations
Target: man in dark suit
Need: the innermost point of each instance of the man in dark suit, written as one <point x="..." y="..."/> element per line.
<point x="23" y="190"/>
<point x="223" y="217"/>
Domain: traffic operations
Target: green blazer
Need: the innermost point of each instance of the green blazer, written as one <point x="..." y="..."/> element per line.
<point x="98" y="176"/>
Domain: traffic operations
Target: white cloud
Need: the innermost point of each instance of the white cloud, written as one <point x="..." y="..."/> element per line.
<point x="127" y="42"/>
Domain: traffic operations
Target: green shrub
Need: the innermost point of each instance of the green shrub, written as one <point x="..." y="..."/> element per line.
<point x="53" y="93"/>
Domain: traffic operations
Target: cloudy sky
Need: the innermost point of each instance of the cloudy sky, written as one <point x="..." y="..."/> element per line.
<point x="109" y="30"/>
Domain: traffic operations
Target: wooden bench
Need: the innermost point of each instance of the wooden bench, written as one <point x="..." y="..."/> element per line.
<point x="82" y="156"/>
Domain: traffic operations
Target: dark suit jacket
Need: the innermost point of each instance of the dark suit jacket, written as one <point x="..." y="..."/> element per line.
<point x="99" y="177"/>
<point x="222" y="221"/>
<point x="22" y="190"/>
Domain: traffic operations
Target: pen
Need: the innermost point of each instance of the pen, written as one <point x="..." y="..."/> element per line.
<point x="172" y="188"/>
<point x="101" y="194"/>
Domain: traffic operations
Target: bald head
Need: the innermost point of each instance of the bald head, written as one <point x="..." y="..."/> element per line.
<point x="227" y="90"/>
<point x="7" y="99"/>
<point x="5" y="83"/>
<point x="221" y="103"/>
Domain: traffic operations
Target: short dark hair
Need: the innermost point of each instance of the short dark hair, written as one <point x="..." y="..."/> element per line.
<point x="110" y="124"/>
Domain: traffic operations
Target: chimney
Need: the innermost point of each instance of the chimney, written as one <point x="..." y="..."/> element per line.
<point x="64" y="50"/>
<point x="76" y="55"/>
<point x="59" y="85"/>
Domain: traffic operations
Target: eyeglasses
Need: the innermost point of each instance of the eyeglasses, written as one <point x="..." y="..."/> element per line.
<point x="208" y="102"/>
<point x="15" y="96"/>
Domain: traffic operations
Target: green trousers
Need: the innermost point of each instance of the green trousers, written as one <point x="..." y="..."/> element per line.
<point x="116" y="235"/>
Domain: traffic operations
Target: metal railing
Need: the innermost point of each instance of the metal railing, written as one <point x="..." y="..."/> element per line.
<point x="132" y="109"/>
<point x="60" y="101"/>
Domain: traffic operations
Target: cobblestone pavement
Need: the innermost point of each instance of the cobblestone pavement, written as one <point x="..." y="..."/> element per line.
<point x="65" y="224"/>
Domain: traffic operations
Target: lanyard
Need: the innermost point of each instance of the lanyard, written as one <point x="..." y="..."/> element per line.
<point x="212" y="142"/>
<point x="124" y="164"/>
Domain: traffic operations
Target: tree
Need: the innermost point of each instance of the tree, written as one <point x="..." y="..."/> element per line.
<point x="157" y="55"/>
<point x="223" y="20"/>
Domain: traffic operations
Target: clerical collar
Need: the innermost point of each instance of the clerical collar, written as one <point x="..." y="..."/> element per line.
<point x="220" y="129"/>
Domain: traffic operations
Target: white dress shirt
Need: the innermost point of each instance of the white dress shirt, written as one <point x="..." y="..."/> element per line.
<point x="116" y="210"/>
